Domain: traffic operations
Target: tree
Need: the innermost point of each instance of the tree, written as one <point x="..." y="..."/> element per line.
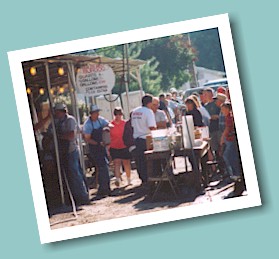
<point x="207" y="43"/>
<point x="173" y="56"/>
<point x="167" y="58"/>
<point x="151" y="77"/>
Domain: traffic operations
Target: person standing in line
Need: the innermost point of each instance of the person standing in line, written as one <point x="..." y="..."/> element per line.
<point x="66" y="128"/>
<point x="220" y="99"/>
<point x="228" y="94"/>
<point x="160" y="116"/>
<point x="173" y="106"/>
<point x="221" y="90"/>
<point x="93" y="135"/>
<point x="143" y="121"/>
<point x="175" y="97"/>
<point x="170" y="112"/>
<point x="203" y="111"/>
<point x="230" y="154"/>
<point x="163" y="107"/>
<point x="119" y="152"/>
<point x="214" y="112"/>
<point x="202" y="98"/>
<point x="192" y="109"/>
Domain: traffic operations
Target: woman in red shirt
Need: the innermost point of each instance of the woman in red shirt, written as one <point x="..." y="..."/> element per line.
<point x="118" y="151"/>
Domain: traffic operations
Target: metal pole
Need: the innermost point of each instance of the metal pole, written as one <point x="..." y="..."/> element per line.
<point x="194" y="81"/>
<point x="110" y="103"/>
<point x="73" y="101"/>
<point x="86" y="105"/>
<point x="72" y="89"/>
<point x="127" y="75"/>
<point x="35" y="120"/>
<point x="54" y="135"/>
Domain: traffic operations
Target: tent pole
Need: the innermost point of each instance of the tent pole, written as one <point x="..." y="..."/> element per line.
<point x="127" y="78"/>
<point x="72" y="84"/>
<point x="73" y="101"/>
<point x="35" y="120"/>
<point x="54" y="135"/>
<point x="110" y="103"/>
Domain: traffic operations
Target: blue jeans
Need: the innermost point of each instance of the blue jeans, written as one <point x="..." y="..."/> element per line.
<point x="76" y="178"/>
<point x="140" y="159"/>
<point x="99" y="156"/>
<point x="231" y="158"/>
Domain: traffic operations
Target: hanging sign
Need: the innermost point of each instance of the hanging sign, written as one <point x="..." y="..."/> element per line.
<point x="95" y="79"/>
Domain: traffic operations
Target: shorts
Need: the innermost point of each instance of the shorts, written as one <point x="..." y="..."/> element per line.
<point x="120" y="153"/>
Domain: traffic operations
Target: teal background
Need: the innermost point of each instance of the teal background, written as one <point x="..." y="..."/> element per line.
<point x="245" y="233"/>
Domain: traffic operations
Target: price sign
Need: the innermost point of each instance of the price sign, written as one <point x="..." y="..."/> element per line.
<point x="95" y="79"/>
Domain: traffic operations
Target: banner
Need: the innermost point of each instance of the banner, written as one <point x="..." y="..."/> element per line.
<point x="95" y="79"/>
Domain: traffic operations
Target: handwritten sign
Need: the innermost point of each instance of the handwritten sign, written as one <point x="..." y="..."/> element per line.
<point x="95" y="79"/>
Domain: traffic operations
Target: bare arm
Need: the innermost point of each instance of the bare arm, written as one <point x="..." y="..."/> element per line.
<point x="161" y="125"/>
<point x="67" y="136"/>
<point x="214" y="117"/>
<point x="89" y="140"/>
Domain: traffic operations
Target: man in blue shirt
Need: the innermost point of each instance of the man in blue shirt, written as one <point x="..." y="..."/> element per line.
<point x="93" y="132"/>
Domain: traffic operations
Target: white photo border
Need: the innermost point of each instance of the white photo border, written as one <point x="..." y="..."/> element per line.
<point x="218" y="21"/>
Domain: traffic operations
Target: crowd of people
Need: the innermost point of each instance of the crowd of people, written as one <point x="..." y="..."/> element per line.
<point x="128" y="137"/>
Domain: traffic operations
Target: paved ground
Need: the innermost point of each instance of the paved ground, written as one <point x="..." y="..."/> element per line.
<point x="133" y="199"/>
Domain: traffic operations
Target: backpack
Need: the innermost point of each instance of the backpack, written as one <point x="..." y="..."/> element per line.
<point x="127" y="137"/>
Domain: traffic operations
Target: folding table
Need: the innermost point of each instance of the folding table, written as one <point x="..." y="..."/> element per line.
<point x="162" y="172"/>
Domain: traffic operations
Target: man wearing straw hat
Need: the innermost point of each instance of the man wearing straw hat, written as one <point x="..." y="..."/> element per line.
<point x="66" y="128"/>
<point x="93" y="135"/>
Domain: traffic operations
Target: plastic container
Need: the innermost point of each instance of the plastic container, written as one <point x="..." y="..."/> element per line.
<point x="160" y="140"/>
<point x="161" y="144"/>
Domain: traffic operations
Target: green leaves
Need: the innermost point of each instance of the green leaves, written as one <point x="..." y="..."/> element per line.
<point x="169" y="59"/>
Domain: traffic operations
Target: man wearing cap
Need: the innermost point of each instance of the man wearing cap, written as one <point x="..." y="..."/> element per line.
<point x="221" y="90"/>
<point x="175" y="97"/>
<point x="93" y="131"/>
<point x="173" y="107"/>
<point x="143" y="121"/>
<point x="66" y="128"/>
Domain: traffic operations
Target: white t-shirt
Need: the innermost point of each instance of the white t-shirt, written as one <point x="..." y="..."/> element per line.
<point x="142" y="119"/>
<point x="160" y="116"/>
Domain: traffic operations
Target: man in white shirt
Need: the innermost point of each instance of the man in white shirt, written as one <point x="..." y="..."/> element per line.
<point x="143" y="121"/>
<point x="160" y="116"/>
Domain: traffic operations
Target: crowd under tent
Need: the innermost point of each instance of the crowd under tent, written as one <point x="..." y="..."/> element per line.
<point x="48" y="78"/>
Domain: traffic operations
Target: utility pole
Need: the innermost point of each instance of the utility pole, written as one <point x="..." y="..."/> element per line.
<point x="192" y="67"/>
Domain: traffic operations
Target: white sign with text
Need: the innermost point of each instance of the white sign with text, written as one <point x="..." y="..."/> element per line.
<point x="95" y="79"/>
